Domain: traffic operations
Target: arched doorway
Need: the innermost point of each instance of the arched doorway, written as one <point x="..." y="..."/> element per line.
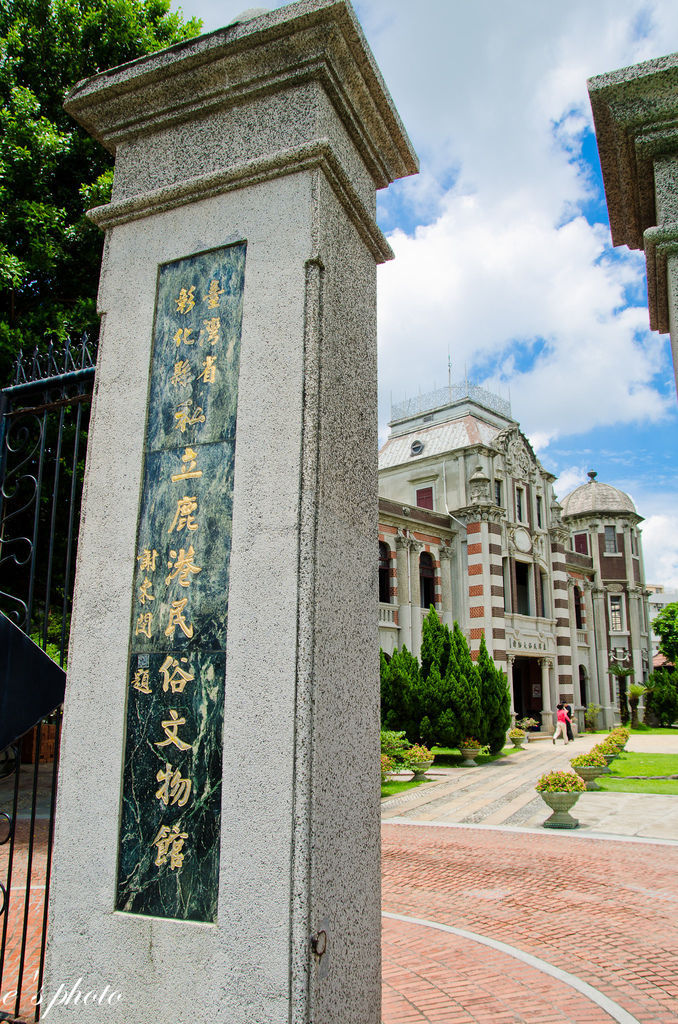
<point x="583" y="692"/>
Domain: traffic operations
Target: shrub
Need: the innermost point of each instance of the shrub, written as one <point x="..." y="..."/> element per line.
<point x="394" y="745"/>
<point x="591" y="716"/>
<point x="662" y="696"/>
<point x="593" y="759"/>
<point x="495" y="701"/>
<point x="560" y="782"/>
<point x="386" y="766"/>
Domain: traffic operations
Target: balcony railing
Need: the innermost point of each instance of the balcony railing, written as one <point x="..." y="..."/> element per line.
<point x="388" y="615"/>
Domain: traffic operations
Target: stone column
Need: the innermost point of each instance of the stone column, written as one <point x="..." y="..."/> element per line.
<point x="415" y="549"/>
<point x="510" y="658"/>
<point x="559" y="537"/>
<point x="403" y="543"/>
<point x="635" y="112"/>
<point x="549" y="693"/>
<point x="602" y="656"/>
<point x="445" y="556"/>
<point x="237" y="291"/>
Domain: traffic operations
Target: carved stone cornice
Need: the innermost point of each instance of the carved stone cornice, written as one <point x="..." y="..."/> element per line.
<point x="480" y="513"/>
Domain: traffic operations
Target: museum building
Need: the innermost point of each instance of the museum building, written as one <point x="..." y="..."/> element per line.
<point x="469" y="523"/>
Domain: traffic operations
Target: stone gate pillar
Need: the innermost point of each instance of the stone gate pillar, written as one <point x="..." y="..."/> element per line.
<point x="217" y="845"/>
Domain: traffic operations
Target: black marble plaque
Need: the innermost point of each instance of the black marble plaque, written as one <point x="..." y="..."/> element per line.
<point x="168" y="863"/>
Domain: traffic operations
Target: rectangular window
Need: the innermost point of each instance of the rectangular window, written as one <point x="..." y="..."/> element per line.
<point x="581" y="543"/>
<point x="425" y="497"/>
<point x="616" y="622"/>
<point x="634" y="544"/>
<point x="522" y="588"/>
<point x="542" y="594"/>
<point x="610" y="540"/>
<point x="539" y="513"/>
<point x="519" y="504"/>
<point x="497" y="492"/>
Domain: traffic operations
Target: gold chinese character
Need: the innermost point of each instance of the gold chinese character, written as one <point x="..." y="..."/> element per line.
<point x="171" y="726"/>
<point x="144" y="624"/>
<point x="186" y="301"/>
<point x="173" y="786"/>
<point x="147" y="559"/>
<point x="184" y="334"/>
<point x="177" y="681"/>
<point x="170" y="842"/>
<point x="209" y="374"/>
<point x="140" y="681"/>
<point x="182" y="374"/>
<point x="185" y="418"/>
<point x="190" y="460"/>
<point x="213" y="328"/>
<point x="184" y="517"/>
<point x="213" y="293"/>
<point x="145" y="591"/>
<point x="176" y="618"/>
<point x="182" y="567"/>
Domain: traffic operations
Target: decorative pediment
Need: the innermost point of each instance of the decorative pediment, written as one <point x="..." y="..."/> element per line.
<point x="519" y="458"/>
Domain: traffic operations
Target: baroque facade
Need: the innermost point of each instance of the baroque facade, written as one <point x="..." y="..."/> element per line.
<point x="469" y="523"/>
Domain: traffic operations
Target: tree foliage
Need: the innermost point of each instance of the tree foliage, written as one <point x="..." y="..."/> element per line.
<point x="448" y="697"/>
<point x="51" y="170"/>
<point x="666" y="627"/>
<point x="495" y="701"/>
<point x="661" y="698"/>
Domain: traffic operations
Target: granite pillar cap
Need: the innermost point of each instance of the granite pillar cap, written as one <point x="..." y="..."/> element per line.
<point x="635" y="114"/>
<point x="317" y="40"/>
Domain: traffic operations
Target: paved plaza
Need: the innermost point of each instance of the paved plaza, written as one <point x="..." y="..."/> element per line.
<point x="489" y="918"/>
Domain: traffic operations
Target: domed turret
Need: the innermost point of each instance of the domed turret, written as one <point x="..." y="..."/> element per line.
<point x="596" y="498"/>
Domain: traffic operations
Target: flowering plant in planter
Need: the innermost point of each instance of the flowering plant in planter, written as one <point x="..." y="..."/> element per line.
<point x="417" y="754"/>
<point x="470" y="743"/>
<point x="516" y="734"/>
<point x="560" y="782"/>
<point x="608" y="747"/>
<point x="386" y="766"/>
<point x="527" y="723"/>
<point x="593" y="759"/>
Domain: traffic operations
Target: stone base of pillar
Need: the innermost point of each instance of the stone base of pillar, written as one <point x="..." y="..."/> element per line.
<point x="547" y="721"/>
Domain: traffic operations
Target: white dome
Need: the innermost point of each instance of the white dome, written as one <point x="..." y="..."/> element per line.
<point x="596" y="497"/>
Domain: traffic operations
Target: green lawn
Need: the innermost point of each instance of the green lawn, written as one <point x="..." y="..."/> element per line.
<point x="641" y="764"/>
<point x="394" y="786"/>
<point x="642" y="730"/>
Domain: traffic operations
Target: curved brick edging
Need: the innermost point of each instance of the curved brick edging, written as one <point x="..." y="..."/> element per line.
<point x="609" y="1006"/>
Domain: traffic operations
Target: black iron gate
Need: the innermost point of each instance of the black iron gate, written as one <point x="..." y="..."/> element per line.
<point x="44" y="418"/>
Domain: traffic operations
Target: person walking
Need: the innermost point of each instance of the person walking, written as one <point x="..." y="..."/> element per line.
<point x="561" y="727"/>
<point x="568" y="723"/>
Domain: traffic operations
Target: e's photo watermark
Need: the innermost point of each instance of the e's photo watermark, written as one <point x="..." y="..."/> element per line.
<point x="66" y="995"/>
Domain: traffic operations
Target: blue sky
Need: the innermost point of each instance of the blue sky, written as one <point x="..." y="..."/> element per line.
<point x="503" y="251"/>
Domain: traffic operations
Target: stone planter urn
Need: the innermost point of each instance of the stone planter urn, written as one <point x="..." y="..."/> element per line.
<point x="518" y="741"/>
<point x="469" y="754"/>
<point x="561" y="804"/>
<point x="420" y="770"/>
<point x="589" y="774"/>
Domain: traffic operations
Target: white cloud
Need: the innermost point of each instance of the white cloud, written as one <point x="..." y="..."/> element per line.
<point x="660" y="549"/>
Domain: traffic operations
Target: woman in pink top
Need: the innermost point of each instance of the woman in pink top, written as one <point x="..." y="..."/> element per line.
<point x="563" y="719"/>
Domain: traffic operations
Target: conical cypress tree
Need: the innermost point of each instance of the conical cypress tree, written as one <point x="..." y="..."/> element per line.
<point x="399" y="682"/>
<point x="435" y="644"/>
<point x="464" y="690"/>
<point x="495" y="702"/>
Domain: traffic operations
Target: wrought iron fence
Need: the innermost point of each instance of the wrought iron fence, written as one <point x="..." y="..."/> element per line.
<point x="44" y="417"/>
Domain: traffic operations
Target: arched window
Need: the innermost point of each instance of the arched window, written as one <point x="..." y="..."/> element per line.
<point x="583" y="696"/>
<point x="577" y="608"/>
<point x="384" y="573"/>
<point x="427" y="580"/>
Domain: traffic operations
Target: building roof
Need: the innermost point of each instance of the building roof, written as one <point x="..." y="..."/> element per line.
<point x="436" y="440"/>
<point x="597" y="497"/>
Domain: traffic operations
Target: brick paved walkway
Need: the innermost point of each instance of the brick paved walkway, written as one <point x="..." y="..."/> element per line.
<point x="602" y="911"/>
